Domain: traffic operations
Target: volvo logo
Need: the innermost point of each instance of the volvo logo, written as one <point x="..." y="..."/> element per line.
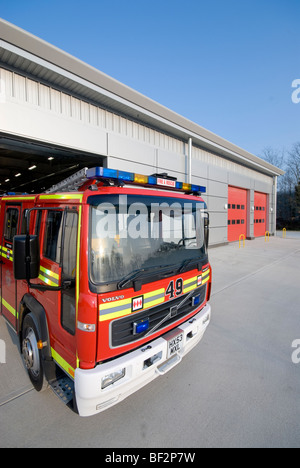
<point x="113" y="298"/>
<point x="173" y="311"/>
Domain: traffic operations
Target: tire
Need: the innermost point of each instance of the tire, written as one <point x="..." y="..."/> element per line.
<point x="32" y="356"/>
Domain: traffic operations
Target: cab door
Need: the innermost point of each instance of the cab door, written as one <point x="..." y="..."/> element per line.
<point x="69" y="268"/>
<point x="58" y="268"/>
<point x="8" y="283"/>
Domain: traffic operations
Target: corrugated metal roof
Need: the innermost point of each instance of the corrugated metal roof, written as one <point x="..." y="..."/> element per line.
<point x="29" y="55"/>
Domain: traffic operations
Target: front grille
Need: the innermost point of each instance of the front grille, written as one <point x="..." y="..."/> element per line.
<point x="122" y="329"/>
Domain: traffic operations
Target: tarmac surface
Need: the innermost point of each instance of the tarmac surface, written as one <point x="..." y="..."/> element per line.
<point x="238" y="388"/>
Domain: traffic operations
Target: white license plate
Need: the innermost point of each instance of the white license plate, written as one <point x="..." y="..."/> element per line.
<point x="175" y="344"/>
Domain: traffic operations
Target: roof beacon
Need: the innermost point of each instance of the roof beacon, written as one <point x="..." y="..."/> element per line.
<point x="159" y="180"/>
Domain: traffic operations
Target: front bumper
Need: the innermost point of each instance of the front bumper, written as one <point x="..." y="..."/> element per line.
<point x="141" y="367"/>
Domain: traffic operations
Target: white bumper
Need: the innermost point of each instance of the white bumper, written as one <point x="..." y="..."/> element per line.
<point x="141" y="367"/>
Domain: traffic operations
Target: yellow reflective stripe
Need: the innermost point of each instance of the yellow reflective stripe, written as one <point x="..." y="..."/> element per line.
<point x="112" y="305"/>
<point x="5" y="256"/>
<point x="124" y="307"/>
<point x="66" y="196"/>
<point x="153" y="293"/>
<point x="6" y="252"/>
<point x="205" y="280"/>
<point x="47" y="281"/>
<point x="186" y="290"/>
<point x="205" y="276"/>
<point x="104" y="318"/>
<point x="191" y="280"/>
<point x="157" y="301"/>
<point x="62" y="363"/>
<point x="118" y="309"/>
<point x="153" y="303"/>
<point x="19" y="198"/>
<point x="9" y="307"/>
<point x="49" y="273"/>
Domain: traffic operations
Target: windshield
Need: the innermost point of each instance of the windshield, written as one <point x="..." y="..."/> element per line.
<point x="132" y="233"/>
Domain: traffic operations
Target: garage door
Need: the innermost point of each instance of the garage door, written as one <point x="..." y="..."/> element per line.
<point x="237" y="213"/>
<point x="260" y="214"/>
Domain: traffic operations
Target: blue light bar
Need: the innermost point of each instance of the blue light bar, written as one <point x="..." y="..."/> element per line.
<point x="138" y="179"/>
<point x="152" y="180"/>
<point x="127" y="176"/>
<point x="198" y="188"/>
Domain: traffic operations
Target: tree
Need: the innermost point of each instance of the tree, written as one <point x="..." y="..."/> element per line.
<point x="272" y="156"/>
<point x="288" y="195"/>
<point x="276" y="158"/>
<point x="293" y="164"/>
<point x="293" y="171"/>
<point x="297" y="190"/>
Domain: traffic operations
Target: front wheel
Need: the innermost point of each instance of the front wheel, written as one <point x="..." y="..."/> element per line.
<point x="32" y="355"/>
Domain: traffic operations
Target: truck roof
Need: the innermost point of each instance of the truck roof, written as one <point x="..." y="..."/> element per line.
<point x="88" y="182"/>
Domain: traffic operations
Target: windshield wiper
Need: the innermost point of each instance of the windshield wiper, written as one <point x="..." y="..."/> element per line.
<point x="188" y="262"/>
<point x="130" y="277"/>
<point x="134" y="275"/>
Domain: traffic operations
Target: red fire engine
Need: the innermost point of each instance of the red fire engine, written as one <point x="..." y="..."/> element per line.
<point x="106" y="278"/>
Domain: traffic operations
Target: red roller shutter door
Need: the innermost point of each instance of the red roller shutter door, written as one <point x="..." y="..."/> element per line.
<point x="260" y="214"/>
<point x="237" y="213"/>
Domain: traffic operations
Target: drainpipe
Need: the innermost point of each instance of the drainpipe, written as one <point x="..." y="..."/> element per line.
<point x="190" y="147"/>
<point x="275" y="203"/>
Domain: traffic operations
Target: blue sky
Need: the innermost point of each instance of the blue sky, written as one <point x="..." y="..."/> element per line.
<point x="227" y="65"/>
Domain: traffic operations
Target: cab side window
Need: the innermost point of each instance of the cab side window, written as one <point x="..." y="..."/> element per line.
<point x="53" y="236"/>
<point x="24" y="222"/>
<point x="70" y="245"/>
<point x="11" y="223"/>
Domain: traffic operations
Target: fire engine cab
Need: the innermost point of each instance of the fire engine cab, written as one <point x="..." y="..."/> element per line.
<point x="105" y="279"/>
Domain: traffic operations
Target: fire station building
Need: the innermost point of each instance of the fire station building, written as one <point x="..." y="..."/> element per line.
<point x="58" y="115"/>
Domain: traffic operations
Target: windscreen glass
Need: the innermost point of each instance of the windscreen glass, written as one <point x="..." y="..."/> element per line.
<point x="133" y="233"/>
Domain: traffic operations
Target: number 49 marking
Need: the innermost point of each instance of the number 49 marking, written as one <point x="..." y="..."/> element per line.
<point x="175" y="288"/>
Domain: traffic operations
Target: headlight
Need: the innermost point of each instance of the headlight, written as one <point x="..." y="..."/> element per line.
<point x="109" y="379"/>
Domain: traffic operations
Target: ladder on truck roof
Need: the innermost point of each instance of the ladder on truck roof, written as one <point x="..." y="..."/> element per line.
<point x="70" y="184"/>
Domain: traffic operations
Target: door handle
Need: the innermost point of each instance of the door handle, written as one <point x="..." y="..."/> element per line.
<point x="68" y="284"/>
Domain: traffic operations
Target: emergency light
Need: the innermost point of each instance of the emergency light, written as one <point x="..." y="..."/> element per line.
<point x="148" y="181"/>
<point x="196" y="300"/>
<point x="141" y="326"/>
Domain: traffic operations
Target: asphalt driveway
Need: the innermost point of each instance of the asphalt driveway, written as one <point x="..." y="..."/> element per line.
<point x="238" y="388"/>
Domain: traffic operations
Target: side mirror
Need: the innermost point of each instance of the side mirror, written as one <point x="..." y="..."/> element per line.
<point x="26" y="257"/>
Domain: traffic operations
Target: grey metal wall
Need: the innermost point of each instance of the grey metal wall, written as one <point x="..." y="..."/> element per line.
<point x="33" y="110"/>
